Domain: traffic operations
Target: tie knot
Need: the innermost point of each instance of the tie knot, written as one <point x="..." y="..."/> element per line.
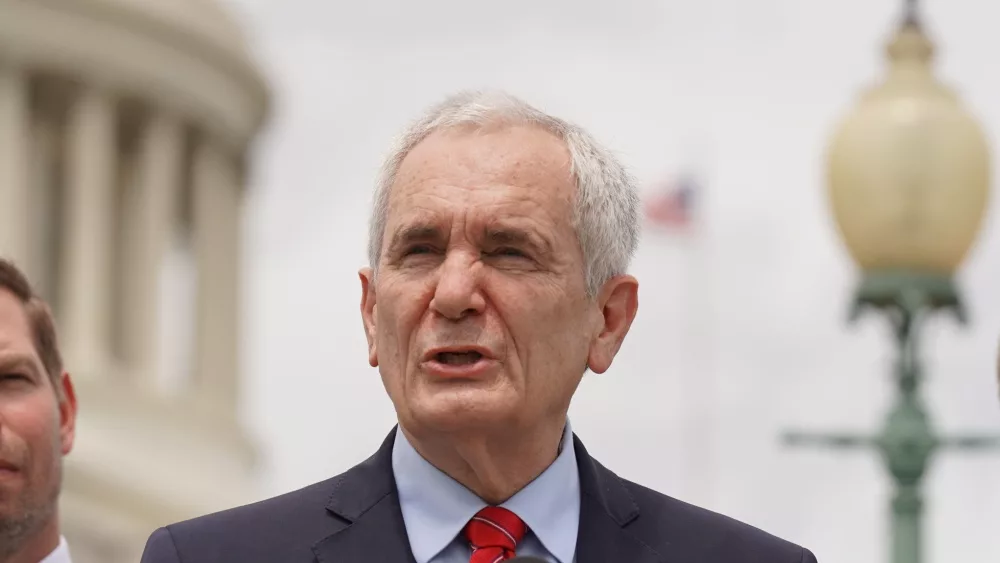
<point x="493" y="534"/>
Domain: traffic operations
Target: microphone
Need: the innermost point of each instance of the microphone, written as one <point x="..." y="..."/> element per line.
<point x="526" y="559"/>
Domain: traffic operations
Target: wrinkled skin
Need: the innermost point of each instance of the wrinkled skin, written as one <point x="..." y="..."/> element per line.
<point x="480" y="251"/>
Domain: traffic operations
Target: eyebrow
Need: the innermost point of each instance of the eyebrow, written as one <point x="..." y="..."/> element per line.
<point x="415" y="233"/>
<point x="494" y="235"/>
<point x="18" y="362"/>
<point x="516" y="237"/>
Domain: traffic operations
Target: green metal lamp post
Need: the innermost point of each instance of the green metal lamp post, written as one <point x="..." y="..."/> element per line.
<point x="908" y="182"/>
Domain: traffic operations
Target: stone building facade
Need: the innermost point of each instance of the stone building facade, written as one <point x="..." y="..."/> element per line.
<point x="125" y="129"/>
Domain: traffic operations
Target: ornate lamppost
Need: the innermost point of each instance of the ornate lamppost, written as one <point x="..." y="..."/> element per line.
<point x="908" y="179"/>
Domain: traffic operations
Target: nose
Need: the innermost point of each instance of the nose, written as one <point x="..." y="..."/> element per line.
<point x="458" y="293"/>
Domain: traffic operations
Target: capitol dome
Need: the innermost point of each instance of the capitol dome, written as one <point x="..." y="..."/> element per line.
<point x="189" y="56"/>
<point x="204" y="20"/>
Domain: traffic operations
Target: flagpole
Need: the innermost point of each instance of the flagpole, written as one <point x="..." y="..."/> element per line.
<point x="679" y="209"/>
<point x="697" y="337"/>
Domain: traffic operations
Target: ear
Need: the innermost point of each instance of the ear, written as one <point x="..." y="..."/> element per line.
<point x="367" y="277"/>
<point x="67" y="414"/>
<point x="618" y="302"/>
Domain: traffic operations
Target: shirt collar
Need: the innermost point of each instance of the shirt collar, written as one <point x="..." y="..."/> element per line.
<point x="60" y="554"/>
<point x="435" y="507"/>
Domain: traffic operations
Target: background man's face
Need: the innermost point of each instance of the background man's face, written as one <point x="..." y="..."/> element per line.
<point x="36" y="430"/>
<point x="480" y="253"/>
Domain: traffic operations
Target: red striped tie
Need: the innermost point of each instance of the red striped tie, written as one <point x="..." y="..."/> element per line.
<point x="493" y="534"/>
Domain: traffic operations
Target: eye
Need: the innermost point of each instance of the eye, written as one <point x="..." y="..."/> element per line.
<point x="508" y="251"/>
<point x="13" y="377"/>
<point x="418" y="249"/>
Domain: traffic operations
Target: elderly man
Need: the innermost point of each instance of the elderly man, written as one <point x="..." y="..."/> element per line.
<point x="499" y="243"/>
<point x="37" y="422"/>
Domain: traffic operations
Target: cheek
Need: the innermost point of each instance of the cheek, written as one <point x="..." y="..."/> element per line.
<point x="550" y="336"/>
<point x="398" y="316"/>
<point x="31" y="423"/>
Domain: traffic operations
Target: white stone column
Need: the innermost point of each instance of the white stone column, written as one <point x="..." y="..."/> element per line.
<point x="86" y="274"/>
<point x="43" y="242"/>
<point x="15" y="122"/>
<point x="149" y="212"/>
<point x="216" y="225"/>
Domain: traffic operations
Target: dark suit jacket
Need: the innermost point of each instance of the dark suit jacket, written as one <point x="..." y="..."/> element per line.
<point x="355" y="518"/>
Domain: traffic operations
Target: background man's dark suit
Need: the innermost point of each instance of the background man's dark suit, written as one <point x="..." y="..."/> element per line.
<point x="355" y="518"/>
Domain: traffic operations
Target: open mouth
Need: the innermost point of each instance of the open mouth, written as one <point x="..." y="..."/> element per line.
<point x="458" y="358"/>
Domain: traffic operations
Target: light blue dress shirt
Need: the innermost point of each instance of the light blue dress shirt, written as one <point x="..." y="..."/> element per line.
<point x="436" y="507"/>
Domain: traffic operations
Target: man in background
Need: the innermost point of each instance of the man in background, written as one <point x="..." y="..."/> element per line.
<point x="499" y="244"/>
<point x="37" y="424"/>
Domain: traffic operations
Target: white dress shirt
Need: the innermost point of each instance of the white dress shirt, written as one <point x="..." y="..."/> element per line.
<point x="60" y="555"/>
<point x="436" y="507"/>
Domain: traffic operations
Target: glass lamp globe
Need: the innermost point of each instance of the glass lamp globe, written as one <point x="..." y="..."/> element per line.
<point x="908" y="169"/>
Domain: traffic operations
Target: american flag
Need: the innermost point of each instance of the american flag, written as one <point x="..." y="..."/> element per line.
<point x="673" y="205"/>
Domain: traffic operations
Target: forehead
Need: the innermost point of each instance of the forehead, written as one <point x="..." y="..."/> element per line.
<point x="522" y="170"/>
<point x="15" y="329"/>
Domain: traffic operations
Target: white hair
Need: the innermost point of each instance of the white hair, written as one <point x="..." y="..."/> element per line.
<point x="606" y="202"/>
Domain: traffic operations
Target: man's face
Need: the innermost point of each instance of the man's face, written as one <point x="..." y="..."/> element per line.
<point x="479" y="318"/>
<point x="36" y="429"/>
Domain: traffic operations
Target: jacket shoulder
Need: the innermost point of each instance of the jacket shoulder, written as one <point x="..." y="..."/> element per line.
<point x="674" y="526"/>
<point x="280" y="528"/>
<point x="283" y="528"/>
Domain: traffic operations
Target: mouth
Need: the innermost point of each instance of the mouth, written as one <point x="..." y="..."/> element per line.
<point x="459" y="362"/>
<point x="464" y="358"/>
<point x="457" y="354"/>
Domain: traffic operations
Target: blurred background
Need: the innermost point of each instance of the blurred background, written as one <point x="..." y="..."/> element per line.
<point x="201" y="172"/>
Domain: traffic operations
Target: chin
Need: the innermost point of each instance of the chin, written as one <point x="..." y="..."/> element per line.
<point x="463" y="411"/>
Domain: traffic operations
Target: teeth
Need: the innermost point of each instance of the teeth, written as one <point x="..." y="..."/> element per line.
<point x="459" y="357"/>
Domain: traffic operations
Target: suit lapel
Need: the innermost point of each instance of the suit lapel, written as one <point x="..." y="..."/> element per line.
<point x="365" y="503"/>
<point x="370" y="524"/>
<point x="606" y="510"/>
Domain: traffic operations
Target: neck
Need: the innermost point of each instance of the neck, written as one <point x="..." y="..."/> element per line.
<point x="494" y="467"/>
<point x="38" y="546"/>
